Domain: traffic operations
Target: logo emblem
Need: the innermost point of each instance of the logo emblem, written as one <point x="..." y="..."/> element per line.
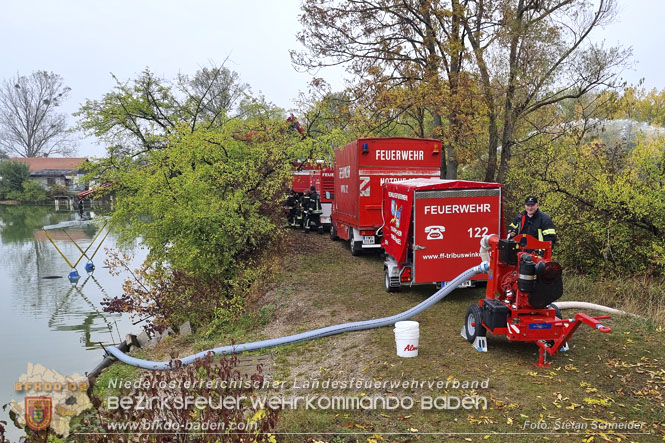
<point x="396" y="213"/>
<point x="38" y="412"/>
<point x="435" y="232"/>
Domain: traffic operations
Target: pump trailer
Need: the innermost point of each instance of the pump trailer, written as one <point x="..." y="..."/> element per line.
<point x="523" y="283"/>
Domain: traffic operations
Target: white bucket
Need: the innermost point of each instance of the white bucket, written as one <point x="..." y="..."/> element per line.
<point x="407" y="334"/>
<point x="405" y="325"/>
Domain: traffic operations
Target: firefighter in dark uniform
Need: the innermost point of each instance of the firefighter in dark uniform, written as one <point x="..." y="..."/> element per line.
<point x="312" y="207"/>
<point x="533" y="221"/>
<point x="302" y="215"/>
<point x="292" y="207"/>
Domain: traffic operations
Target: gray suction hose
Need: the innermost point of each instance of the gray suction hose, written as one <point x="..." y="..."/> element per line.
<point x="316" y="333"/>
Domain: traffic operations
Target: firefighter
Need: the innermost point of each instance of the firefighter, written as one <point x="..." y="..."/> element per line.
<point x="303" y="202"/>
<point x="313" y="211"/>
<point x="292" y="207"/>
<point x="533" y="221"/>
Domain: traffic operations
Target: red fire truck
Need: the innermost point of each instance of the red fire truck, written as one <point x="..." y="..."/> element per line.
<point x="361" y="168"/>
<point x="322" y="177"/>
<point x="433" y="226"/>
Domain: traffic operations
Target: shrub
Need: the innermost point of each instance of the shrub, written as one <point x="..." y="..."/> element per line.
<point x="12" y="176"/>
<point x="170" y="297"/>
<point x="57" y="190"/>
<point x="32" y="191"/>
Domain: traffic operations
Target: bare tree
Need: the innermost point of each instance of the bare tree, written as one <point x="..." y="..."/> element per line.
<point x="30" y="125"/>
<point x="396" y="45"/>
<point x="215" y="92"/>
<point x="533" y="55"/>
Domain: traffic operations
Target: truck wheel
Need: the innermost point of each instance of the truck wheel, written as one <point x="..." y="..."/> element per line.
<point x="386" y="281"/>
<point x="355" y="251"/>
<point x="473" y="323"/>
<point x="333" y="233"/>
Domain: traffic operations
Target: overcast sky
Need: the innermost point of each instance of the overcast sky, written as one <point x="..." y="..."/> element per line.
<point x="85" y="41"/>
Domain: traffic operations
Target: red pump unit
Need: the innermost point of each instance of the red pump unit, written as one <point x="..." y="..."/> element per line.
<point x="523" y="283"/>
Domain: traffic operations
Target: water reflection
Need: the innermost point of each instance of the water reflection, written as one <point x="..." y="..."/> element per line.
<point x="94" y="321"/>
<point x="46" y="320"/>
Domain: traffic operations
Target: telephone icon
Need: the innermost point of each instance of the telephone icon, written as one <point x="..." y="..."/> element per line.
<point x="435" y="232"/>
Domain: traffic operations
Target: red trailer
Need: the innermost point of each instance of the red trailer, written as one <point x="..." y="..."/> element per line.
<point x="361" y="169"/>
<point x="432" y="228"/>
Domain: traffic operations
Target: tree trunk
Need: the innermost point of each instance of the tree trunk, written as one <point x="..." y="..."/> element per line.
<point x="492" y="147"/>
<point x="437" y="124"/>
<point x="509" y="116"/>
<point x="454" y="85"/>
<point x="506" y="146"/>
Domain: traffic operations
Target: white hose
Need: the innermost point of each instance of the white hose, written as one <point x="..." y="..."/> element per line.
<point x="585" y="305"/>
<point x="485" y="248"/>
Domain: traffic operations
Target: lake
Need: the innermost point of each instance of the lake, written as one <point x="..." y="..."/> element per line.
<point x="43" y="317"/>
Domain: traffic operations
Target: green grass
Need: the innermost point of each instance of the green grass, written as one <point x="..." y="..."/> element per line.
<point x="120" y="372"/>
<point x="616" y="377"/>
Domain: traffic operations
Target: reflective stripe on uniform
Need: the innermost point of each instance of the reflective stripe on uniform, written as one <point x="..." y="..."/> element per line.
<point x="540" y="234"/>
<point x="549" y="232"/>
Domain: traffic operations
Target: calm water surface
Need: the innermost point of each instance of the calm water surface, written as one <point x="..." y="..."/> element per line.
<point x="47" y="320"/>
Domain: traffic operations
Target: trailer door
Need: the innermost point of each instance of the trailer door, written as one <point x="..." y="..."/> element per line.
<point x="448" y="226"/>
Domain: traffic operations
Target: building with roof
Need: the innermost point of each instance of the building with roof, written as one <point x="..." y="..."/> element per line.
<point x="49" y="171"/>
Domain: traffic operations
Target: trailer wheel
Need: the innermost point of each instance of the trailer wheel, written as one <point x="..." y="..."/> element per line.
<point x="386" y="281"/>
<point x="333" y="233"/>
<point x="355" y="251"/>
<point x="473" y="323"/>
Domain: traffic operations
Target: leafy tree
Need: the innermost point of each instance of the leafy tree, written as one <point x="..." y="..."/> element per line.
<point x="203" y="193"/>
<point x="30" y="125"/>
<point x="141" y="115"/>
<point x="470" y="72"/>
<point x="638" y="104"/>
<point x="326" y="121"/>
<point x="12" y="176"/>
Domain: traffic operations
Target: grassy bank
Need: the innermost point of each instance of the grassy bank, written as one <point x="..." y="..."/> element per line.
<point x="642" y="296"/>
<point x="604" y="381"/>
